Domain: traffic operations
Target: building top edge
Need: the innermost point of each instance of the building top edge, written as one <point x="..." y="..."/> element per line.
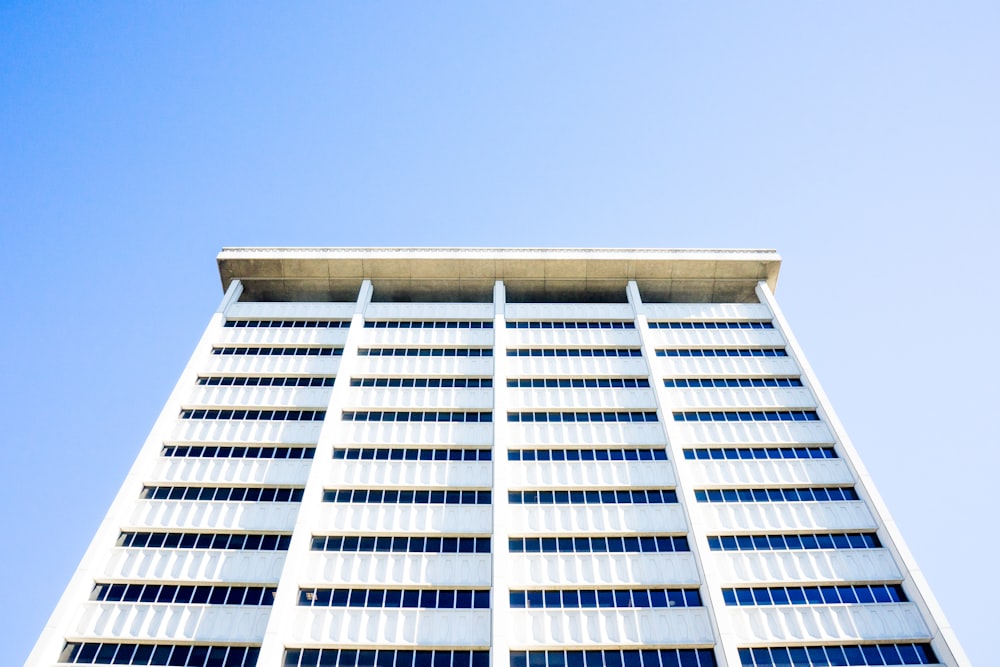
<point x="458" y="253"/>
<point x="297" y="271"/>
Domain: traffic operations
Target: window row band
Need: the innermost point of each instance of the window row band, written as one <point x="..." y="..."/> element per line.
<point x="416" y="416"/>
<point x="401" y="544"/>
<point x="562" y="324"/>
<point x="750" y="453"/>
<point x="428" y="324"/>
<point x="599" y="545"/>
<point x="794" y="542"/>
<point x="257" y="415"/>
<point x="289" y="381"/>
<point x="851" y="654"/>
<point x="718" y="383"/>
<point x="585" y="352"/>
<point x="395" y="598"/>
<point x="578" y="383"/>
<point x="423" y="383"/>
<point x="706" y="324"/>
<point x="664" y="657"/>
<point x="606" y="598"/>
<point x="239" y="452"/>
<point x="723" y="352"/>
<point x="230" y="541"/>
<point x="747" y="416"/>
<point x="284" y="351"/>
<point x="425" y="352"/>
<point x="633" y="416"/>
<point x="287" y="324"/>
<point x="403" y="497"/>
<point x="184" y="594"/>
<point x="112" y="653"/>
<point x="412" y="454"/>
<point x="795" y="595"/>
<point x="806" y="494"/>
<point x="249" y="494"/>
<point x="645" y="454"/>
<point x="594" y="497"/>
<point x="332" y="657"/>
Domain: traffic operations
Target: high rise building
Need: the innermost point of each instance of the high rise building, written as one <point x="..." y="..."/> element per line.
<point x="497" y="458"/>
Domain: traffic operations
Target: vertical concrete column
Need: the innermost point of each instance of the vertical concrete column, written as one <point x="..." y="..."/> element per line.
<point x="711" y="590"/>
<point x="52" y="638"/>
<point x="943" y="640"/>
<point x="500" y="595"/>
<point x="282" y="620"/>
<point x="232" y="296"/>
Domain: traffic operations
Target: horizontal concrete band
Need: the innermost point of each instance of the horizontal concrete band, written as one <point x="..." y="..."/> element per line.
<point x="468" y="274"/>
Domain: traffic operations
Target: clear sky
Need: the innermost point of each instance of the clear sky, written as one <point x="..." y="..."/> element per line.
<point x="860" y="140"/>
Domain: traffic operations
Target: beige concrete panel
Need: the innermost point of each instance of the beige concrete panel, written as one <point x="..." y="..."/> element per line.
<point x="572" y="269"/>
<point x="520" y="269"/>
<point x="321" y="270"/>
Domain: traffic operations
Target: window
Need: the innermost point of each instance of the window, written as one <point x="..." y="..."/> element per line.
<point x="724" y="352"/>
<point x="236" y="381"/>
<point x="256" y="415"/>
<point x="582" y="417"/>
<point x="600" y="545"/>
<point x="252" y="494"/>
<point x="748" y="453"/>
<point x="425" y="352"/>
<point x="239" y="452"/>
<point x="428" y="324"/>
<point x="603" y="598"/>
<point x="594" y="497"/>
<point x="694" y="324"/>
<point x="409" y="496"/>
<point x="790" y="595"/>
<point x="534" y="324"/>
<point x="421" y="383"/>
<point x="804" y="494"/>
<point x="839" y="654"/>
<point x="667" y="657"/>
<point x="574" y="352"/>
<point x="406" y="416"/>
<point x="438" y="544"/>
<point x="280" y="351"/>
<point x="578" y="383"/>
<point x="288" y="324"/>
<point x="230" y="541"/>
<point x="395" y="598"/>
<point x="645" y="454"/>
<point x="199" y="655"/>
<point x="794" y="542"/>
<point x="692" y="383"/>
<point x="332" y="657"/>
<point x="412" y="454"/>
<point x="747" y="416"/>
<point x="184" y="594"/>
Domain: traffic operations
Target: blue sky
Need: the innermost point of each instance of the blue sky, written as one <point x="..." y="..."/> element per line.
<point x="860" y="140"/>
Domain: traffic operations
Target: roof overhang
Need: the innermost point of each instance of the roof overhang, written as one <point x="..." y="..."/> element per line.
<point x="333" y="274"/>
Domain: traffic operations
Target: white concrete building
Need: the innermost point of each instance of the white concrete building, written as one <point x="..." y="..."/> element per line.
<point x="497" y="458"/>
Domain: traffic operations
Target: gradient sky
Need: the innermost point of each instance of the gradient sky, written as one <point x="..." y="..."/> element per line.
<point x="860" y="140"/>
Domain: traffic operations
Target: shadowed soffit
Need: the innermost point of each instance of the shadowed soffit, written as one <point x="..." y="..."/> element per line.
<point x="468" y="274"/>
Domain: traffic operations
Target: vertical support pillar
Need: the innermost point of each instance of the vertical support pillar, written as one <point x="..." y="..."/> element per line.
<point x="233" y="294"/>
<point x="500" y="598"/>
<point x="711" y="592"/>
<point x="281" y="622"/>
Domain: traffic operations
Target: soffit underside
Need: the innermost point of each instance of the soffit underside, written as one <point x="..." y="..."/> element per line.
<point x="446" y="274"/>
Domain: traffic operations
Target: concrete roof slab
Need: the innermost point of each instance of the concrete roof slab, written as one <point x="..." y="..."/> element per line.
<point x="684" y="274"/>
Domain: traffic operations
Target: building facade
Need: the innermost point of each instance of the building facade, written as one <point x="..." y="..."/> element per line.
<point x="497" y="458"/>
